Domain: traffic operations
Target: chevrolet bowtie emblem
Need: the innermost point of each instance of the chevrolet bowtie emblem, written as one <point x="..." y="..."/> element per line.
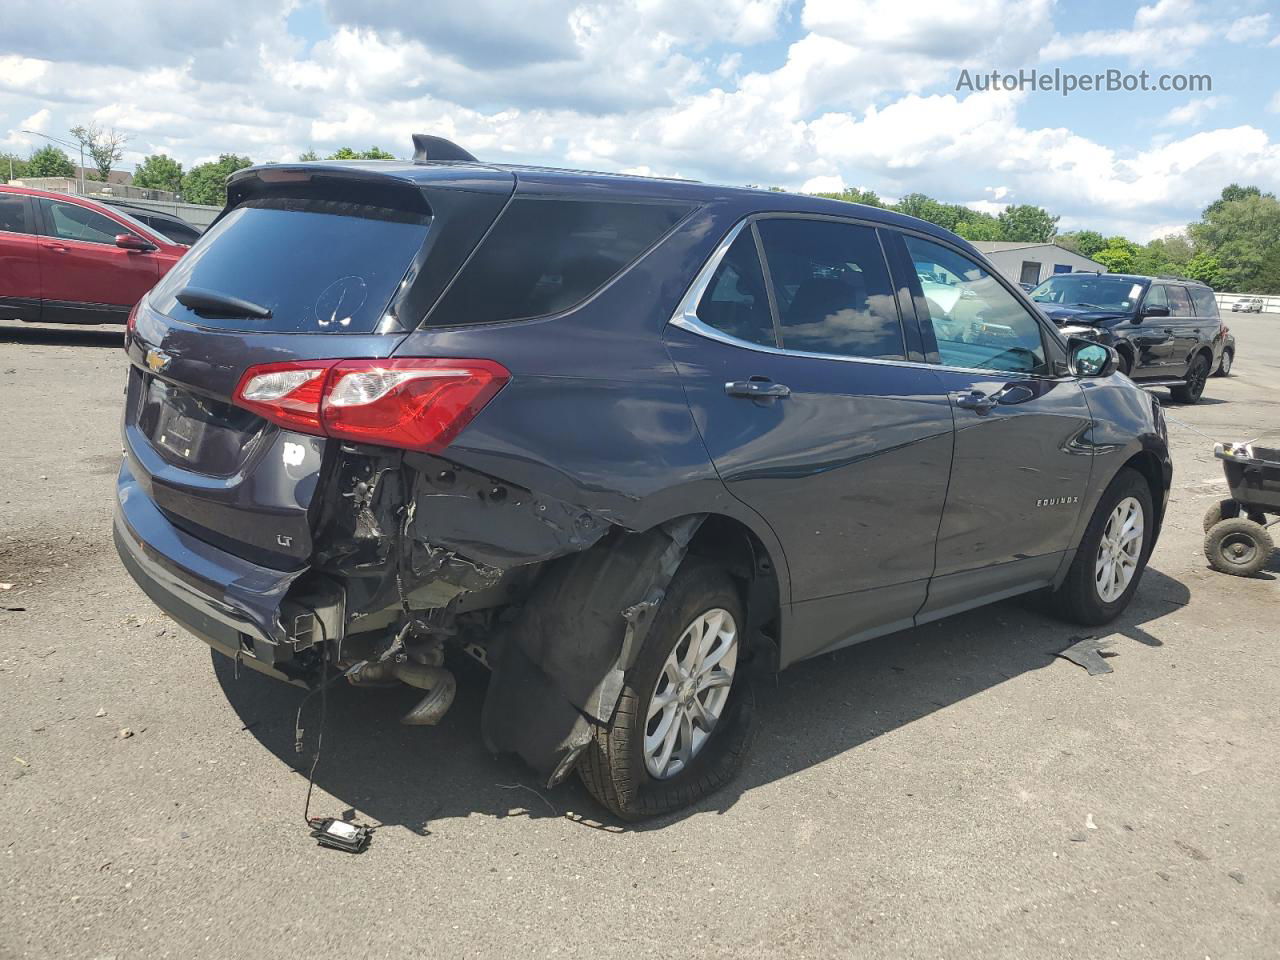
<point x="157" y="360"/>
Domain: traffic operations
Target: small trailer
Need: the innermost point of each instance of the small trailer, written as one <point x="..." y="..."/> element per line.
<point x="1237" y="539"/>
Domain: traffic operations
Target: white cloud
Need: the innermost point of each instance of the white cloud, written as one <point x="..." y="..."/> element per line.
<point x="653" y="86"/>
<point x="937" y="29"/>
<point x="828" y="183"/>
<point x="1191" y="112"/>
<point x="1249" y="28"/>
<point x="1165" y="33"/>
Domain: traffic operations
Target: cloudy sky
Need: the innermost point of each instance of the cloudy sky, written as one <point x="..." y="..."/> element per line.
<point x="802" y="94"/>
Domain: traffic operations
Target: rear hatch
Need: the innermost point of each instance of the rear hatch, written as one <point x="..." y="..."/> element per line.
<point x="306" y="262"/>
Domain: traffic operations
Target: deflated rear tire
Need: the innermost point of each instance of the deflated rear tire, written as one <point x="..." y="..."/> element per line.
<point x="1112" y="554"/>
<point x="682" y="724"/>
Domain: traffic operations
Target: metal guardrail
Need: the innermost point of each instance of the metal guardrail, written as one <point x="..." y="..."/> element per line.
<point x="95" y="188"/>
<point x="165" y="201"/>
<point x="1270" y="304"/>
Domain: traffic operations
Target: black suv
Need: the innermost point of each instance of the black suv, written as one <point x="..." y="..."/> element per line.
<point x="1167" y="330"/>
<point x="619" y="438"/>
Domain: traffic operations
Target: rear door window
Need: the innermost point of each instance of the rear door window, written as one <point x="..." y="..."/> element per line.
<point x="545" y="255"/>
<point x="1179" y="302"/>
<point x="319" y="265"/>
<point x="15" y="214"/>
<point x="736" y="302"/>
<point x="832" y="289"/>
<point x="1204" y="301"/>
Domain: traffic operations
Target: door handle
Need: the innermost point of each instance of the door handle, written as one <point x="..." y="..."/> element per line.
<point x="59" y="248"/>
<point x="974" y="400"/>
<point x="1168" y="329"/>
<point x="757" y="389"/>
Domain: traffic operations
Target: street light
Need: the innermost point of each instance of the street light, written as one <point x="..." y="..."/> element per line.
<point x="37" y="133"/>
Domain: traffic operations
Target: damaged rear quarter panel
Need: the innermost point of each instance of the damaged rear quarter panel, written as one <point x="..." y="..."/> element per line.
<point x="595" y="417"/>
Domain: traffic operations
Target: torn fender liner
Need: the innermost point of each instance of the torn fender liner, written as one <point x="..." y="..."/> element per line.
<point x="559" y="666"/>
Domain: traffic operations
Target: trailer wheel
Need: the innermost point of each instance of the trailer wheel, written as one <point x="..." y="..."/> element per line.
<point x="1222" y="510"/>
<point x="1238" y="546"/>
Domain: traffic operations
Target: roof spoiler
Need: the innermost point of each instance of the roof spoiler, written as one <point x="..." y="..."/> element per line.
<point x="428" y="149"/>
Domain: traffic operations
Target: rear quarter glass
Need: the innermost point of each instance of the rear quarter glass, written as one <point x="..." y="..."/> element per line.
<point x="319" y="267"/>
<point x="546" y="255"/>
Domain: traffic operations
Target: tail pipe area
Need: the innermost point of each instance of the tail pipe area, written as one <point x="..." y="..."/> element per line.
<point x="436" y="680"/>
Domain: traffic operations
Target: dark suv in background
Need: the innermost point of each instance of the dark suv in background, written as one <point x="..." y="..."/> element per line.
<point x="616" y="437"/>
<point x="1167" y="331"/>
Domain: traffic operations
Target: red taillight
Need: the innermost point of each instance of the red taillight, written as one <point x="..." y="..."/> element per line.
<point x="413" y="403"/>
<point x="131" y="325"/>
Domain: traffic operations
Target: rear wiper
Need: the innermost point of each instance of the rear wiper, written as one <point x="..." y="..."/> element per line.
<point x="220" y="304"/>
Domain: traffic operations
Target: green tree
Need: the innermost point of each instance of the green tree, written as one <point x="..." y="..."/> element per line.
<point x="1206" y="269"/>
<point x="104" y="146"/>
<point x="924" y="207"/>
<point x="1027" y="223"/>
<point x="1242" y="230"/>
<point x="158" y="172"/>
<point x="854" y="195"/>
<point x="1084" y="242"/>
<point x="308" y="156"/>
<point x="207" y="182"/>
<point x="1233" y="191"/>
<point x="1116" y="259"/>
<point x="50" y="162"/>
<point x="12" y="167"/>
<point x="980" y="227"/>
<point x="373" y="153"/>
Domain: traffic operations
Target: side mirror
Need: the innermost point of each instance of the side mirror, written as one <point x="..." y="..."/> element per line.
<point x="1092" y="359"/>
<point x="128" y="241"/>
<point x="1154" y="311"/>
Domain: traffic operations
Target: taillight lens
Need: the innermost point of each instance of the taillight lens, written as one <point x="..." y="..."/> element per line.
<point x="413" y="403"/>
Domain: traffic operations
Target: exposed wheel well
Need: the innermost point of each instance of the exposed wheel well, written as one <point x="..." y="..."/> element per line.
<point x="1125" y="349"/>
<point x="732" y="544"/>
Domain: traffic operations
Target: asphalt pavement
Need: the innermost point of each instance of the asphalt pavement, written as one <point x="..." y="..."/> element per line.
<point x="956" y="790"/>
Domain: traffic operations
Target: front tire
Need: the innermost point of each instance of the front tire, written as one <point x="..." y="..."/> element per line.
<point x="658" y="754"/>
<point x="1112" y="554"/>
<point x="1224" y="365"/>
<point x="1193" y="389"/>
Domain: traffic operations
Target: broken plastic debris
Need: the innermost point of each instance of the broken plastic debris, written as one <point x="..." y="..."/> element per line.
<point x="1087" y="653"/>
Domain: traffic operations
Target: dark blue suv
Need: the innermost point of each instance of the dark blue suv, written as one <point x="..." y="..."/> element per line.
<point x="618" y="438"/>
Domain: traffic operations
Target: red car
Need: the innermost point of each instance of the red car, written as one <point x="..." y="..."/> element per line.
<point x="67" y="259"/>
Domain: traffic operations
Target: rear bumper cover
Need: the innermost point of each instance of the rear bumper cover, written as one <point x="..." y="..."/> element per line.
<point x="228" y="602"/>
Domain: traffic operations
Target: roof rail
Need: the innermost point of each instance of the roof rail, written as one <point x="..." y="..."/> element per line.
<point x="1173" y="276"/>
<point x="429" y="149"/>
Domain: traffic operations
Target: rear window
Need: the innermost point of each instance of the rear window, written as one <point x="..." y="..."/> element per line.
<point x="319" y="266"/>
<point x="1205" y="302"/>
<point x="546" y="255"/>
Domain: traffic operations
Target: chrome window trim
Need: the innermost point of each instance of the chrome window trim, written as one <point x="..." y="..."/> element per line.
<point x="686" y="315"/>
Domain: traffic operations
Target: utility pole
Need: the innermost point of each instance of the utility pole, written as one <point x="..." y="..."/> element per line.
<point x="80" y="179"/>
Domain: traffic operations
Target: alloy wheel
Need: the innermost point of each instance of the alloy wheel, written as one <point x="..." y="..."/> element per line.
<point x="1225" y="366"/>
<point x="1120" y="550"/>
<point x="1196" y="378"/>
<point x="691" y="693"/>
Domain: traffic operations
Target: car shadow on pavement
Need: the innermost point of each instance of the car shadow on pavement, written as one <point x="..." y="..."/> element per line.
<point x="412" y="776"/>
<point x="62" y="336"/>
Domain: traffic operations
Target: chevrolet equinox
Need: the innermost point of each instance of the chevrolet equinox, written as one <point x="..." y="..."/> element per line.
<point x="619" y="438"/>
